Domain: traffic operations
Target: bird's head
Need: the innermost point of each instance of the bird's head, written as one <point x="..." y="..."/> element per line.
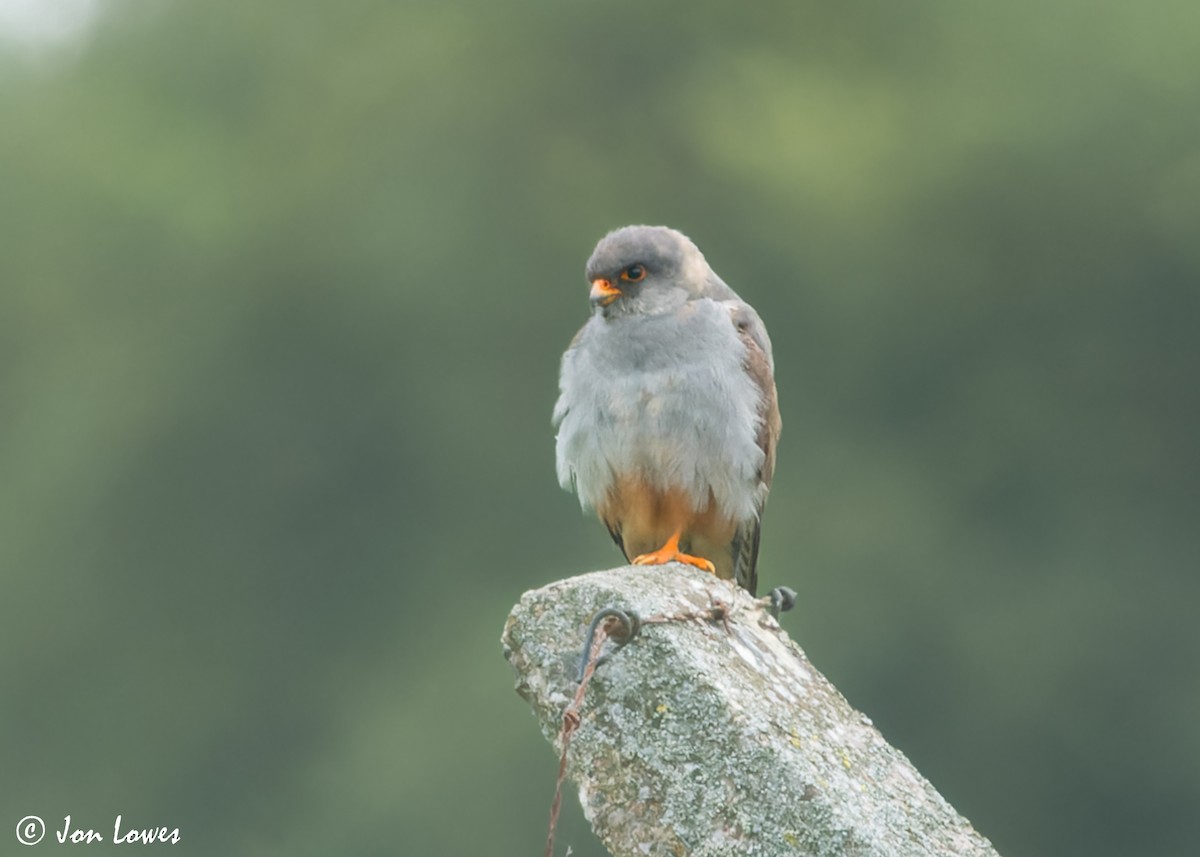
<point x="645" y="269"/>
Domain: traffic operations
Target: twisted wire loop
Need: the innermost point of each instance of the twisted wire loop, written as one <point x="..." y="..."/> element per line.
<point x="622" y="626"/>
<point x="628" y="623"/>
<point x="782" y="599"/>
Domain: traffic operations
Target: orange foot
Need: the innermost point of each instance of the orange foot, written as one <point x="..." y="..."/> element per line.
<point x="670" y="553"/>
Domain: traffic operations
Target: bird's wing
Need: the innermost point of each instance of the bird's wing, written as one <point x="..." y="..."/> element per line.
<point x="562" y="406"/>
<point x="759" y="367"/>
<point x="613" y="525"/>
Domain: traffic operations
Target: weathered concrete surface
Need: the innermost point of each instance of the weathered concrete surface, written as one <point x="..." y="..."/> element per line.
<point x="696" y="740"/>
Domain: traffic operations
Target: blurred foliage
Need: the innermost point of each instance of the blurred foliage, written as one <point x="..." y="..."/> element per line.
<point x="283" y="288"/>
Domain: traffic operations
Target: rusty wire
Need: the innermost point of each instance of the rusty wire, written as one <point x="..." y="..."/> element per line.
<point x="599" y="631"/>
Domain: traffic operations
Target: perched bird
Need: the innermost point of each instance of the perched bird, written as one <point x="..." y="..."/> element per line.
<point x="667" y="415"/>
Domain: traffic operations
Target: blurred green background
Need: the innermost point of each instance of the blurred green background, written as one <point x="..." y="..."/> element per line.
<point x="283" y="289"/>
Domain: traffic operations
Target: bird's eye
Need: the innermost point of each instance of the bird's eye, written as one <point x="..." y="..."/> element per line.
<point x="634" y="274"/>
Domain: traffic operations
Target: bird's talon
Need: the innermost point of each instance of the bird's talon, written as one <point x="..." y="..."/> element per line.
<point x="670" y="552"/>
<point x="663" y="556"/>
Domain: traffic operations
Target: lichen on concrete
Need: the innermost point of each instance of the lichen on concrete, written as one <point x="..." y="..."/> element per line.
<point x="717" y="738"/>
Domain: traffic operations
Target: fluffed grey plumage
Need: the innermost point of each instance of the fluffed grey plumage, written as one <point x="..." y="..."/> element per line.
<point x="667" y="416"/>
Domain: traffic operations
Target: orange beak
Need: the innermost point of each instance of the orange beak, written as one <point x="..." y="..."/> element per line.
<point x="604" y="292"/>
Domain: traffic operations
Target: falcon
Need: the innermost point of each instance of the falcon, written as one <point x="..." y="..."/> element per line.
<point x="667" y="414"/>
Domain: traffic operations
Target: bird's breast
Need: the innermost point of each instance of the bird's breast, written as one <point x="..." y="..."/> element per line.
<point x="665" y="399"/>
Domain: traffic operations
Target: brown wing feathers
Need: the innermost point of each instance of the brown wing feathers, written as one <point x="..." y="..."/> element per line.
<point x="745" y="541"/>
